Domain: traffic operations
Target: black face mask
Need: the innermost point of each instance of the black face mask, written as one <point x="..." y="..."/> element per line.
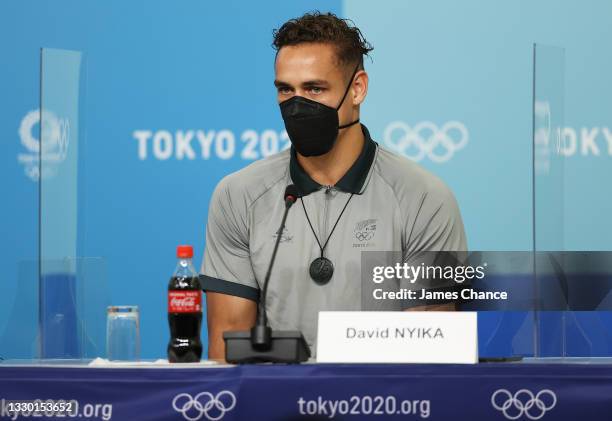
<point x="313" y="127"/>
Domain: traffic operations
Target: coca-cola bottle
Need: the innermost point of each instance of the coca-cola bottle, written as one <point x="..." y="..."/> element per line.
<point x="184" y="310"/>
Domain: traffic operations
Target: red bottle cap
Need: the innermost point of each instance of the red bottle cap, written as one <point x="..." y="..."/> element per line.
<point x="184" y="252"/>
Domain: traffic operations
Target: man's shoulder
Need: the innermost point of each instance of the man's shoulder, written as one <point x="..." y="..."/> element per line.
<point x="428" y="204"/>
<point x="409" y="180"/>
<point x="254" y="180"/>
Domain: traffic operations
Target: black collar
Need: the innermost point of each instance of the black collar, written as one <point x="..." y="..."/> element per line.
<point x="351" y="182"/>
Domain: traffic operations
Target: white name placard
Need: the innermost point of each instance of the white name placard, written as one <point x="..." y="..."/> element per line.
<point x="397" y="337"/>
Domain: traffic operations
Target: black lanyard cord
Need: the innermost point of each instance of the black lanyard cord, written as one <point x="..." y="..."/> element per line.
<point x="334" y="227"/>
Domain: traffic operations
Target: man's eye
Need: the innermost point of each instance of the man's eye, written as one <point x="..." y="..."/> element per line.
<point x="316" y="90"/>
<point x="284" y="91"/>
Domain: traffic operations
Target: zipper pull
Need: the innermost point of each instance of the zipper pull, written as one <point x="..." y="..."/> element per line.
<point x="328" y="189"/>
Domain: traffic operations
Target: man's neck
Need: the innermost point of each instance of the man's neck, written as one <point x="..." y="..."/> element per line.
<point x="329" y="168"/>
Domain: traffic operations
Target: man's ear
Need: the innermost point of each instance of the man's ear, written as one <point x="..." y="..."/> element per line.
<point x="360" y="87"/>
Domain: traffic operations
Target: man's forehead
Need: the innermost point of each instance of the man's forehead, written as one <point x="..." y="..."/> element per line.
<point x="307" y="61"/>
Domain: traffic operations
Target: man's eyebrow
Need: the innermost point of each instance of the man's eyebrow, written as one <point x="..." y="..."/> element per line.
<point x="280" y="83"/>
<point x="314" y="82"/>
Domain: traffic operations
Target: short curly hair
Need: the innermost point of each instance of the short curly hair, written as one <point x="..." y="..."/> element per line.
<point x="315" y="27"/>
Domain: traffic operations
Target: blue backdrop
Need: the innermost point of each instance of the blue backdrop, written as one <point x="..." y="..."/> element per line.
<point x="180" y="94"/>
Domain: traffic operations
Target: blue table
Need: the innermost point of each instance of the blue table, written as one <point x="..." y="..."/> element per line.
<point x="521" y="391"/>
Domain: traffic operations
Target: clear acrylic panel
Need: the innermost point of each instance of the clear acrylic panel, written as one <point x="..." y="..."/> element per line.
<point x="73" y="292"/>
<point x="578" y="281"/>
<point x="60" y="99"/>
<point x="19" y="333"/>
<point x="532" y="331"/>
<point x="548" y="158"/>
<point x="548" y="199"/>
<point x="72" y="312"/>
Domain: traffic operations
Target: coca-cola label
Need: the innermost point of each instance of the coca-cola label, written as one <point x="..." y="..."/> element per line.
<point x="184" y="301"/>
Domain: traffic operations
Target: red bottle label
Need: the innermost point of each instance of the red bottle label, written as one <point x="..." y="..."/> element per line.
<point x="184" y="301"/>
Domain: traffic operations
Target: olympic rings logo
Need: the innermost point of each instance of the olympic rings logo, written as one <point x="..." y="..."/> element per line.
<point x="426" y="139"/>
<point x="523" y="402"/>
<point x="364" y="235"/>
<point x="204" y="404"/>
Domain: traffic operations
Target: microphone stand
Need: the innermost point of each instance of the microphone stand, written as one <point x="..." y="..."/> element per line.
<point x="261" y="343"/>
<point x="261" y="333"/>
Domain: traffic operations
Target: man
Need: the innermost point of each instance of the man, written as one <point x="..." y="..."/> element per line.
<point x="354" y="196"/>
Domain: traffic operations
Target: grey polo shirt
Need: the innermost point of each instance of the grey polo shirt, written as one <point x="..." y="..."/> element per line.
<point x="397" y="206"/>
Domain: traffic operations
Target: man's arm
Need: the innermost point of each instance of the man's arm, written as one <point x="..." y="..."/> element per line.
<point x="438" y="229"/>
<point x="227" y="275"/>
<point x="226" y="312"/>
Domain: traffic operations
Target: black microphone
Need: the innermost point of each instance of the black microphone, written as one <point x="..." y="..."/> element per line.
<point x="261" y="343"/>
<point x="291" y="195"/>
<point x="261" y="332"/>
